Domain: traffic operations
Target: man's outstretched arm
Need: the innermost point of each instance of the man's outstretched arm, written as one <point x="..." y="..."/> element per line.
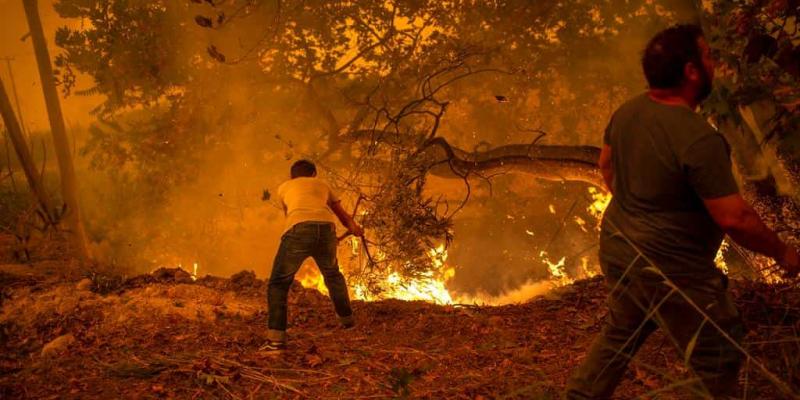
<point x="345" y="218"/>
<point x="741" y="222"/>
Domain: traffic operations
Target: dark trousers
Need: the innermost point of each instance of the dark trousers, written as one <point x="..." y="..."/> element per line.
<point x="637" y="307"/>
<point x="307" y="239"/>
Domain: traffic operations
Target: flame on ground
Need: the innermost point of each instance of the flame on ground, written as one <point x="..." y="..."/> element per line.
<point x="600" y="200"/>
<point x="314" y="281"/>
<point x="719" y="259"/>
<point x="194" y="272"/>
<point x="432" y="286"/>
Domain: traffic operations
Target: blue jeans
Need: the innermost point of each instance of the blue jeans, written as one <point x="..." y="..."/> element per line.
<point x="306" y="239"/>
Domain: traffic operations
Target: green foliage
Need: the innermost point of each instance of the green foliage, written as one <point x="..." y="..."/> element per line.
<point x="758" y="46"/>
<point x="359" y="86"/>
<point x="126" y="46"/>
<point x="135" y="54"/>
<point x="406" y="223"/>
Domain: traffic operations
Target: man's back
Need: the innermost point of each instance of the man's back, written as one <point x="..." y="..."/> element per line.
<point x="306" y="199"/>
<point x="665" y="159"/>
<point x="674" y="195"/>
<point x="310" y="232"/>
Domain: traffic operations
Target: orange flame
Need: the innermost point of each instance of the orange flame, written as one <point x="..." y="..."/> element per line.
<point x="432" y="286"/>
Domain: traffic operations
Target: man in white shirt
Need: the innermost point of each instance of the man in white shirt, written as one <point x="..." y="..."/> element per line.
<point x="310" y="206"/>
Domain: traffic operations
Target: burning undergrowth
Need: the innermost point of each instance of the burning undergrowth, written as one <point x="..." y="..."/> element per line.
<point x="479" y="259"/>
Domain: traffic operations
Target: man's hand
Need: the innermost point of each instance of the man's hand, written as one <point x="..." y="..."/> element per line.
<point x="345" y="218"/>
<point x="790" y="262"/>
<point x="741" y="222"/>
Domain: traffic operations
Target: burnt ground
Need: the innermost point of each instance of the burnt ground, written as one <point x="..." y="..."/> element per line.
<point x="164" y="336"/>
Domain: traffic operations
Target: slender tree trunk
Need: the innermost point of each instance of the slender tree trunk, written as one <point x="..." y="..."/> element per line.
<point x="21" y="119"/>
<point x="69" y="187"/>
<point x="754" y="117"/>
<point x="23" y="153"/>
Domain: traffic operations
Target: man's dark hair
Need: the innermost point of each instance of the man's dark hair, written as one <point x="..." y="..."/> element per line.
<point x="303" y="168"/>
<point x="668" y="52"/>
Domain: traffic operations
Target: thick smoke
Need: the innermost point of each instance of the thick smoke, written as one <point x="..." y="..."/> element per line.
<point x="206" y="198"/>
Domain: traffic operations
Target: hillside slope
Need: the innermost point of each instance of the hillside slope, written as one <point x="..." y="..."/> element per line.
<point x="165" y="336"/>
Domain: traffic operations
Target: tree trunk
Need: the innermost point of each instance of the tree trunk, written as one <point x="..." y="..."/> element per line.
<point x="548" y="162"/>
<point x="69" y="187"/>
<point x="755" y="116"/>
<point x="23" y="153"/>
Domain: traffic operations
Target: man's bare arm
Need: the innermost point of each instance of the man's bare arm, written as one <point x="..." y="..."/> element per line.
<point x="345" y="218"/>
<point x="606" y="168"/>
<point x="741" y="222"/>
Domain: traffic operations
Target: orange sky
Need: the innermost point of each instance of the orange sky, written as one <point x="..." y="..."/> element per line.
<point x="12" y="27"/>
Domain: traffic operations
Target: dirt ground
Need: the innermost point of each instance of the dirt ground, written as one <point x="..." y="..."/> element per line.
<point x="165" y="336"/>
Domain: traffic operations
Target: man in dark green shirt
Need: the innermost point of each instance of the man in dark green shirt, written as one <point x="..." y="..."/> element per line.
<point x="674" y="198"/>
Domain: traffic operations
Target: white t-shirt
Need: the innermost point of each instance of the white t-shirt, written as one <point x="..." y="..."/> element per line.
<point x="306" y="199"/>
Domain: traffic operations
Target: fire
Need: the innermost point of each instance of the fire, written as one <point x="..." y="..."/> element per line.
<point x="600" y="201"/>
<point x="179" y="265"/>
<point x="194" y="272"/>
<point x="432" y="286"/>
<point x="426" y="289"/>
<point x="314" y="281"/>
<point x="587" y="272"/>
<point x="557" y="271"/>
<point x="719" y="259"/>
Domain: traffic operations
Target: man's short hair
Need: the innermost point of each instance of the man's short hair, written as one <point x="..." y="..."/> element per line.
<point x="303" y="168"/>
<point x="668" y="52"/>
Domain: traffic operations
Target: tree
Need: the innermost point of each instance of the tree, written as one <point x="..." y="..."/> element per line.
<point x="69" y="185"/>
<point x="381" y="94"/>
<point x="755" y="103"/>
<point x="757" y="95"/>
<point x="24" y="155"/>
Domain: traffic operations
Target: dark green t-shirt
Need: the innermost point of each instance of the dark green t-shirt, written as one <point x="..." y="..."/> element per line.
<point x="666" y="159"/>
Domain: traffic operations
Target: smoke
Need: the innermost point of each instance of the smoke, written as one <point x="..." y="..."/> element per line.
<point x="191" y="188"/>
<point x="15" y="46"/>
<point x="515" y="295"/>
